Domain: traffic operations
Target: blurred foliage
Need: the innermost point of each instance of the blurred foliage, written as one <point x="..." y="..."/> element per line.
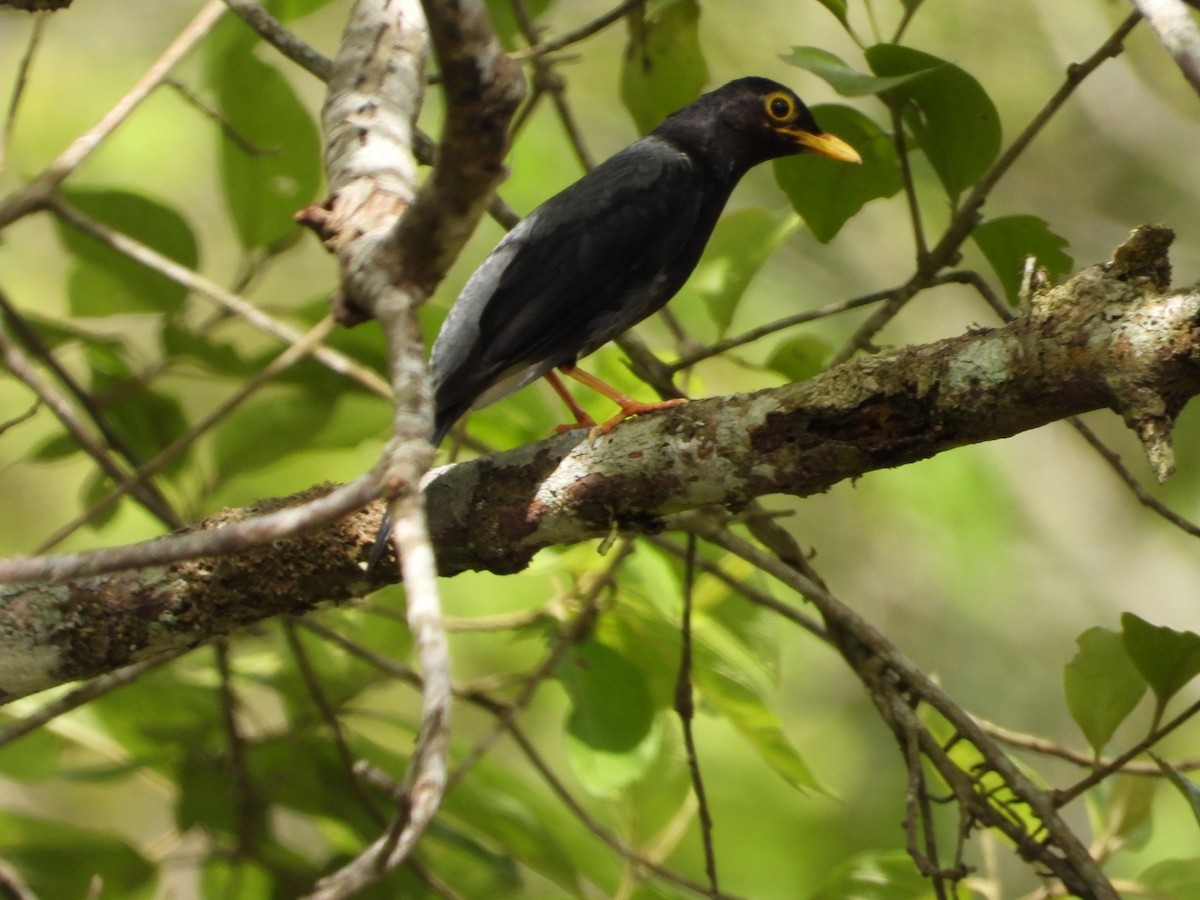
<point x="982" y="564"/>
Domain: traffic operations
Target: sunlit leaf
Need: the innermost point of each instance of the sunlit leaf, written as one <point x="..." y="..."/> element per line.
<point x="875" y="876"/>
<point x="290" y="10"/>
<point x="269" y="146"/>
<point x="103" y="282"/>
<point x="205" y="352"/>
<point x="1008" y="240"/>
<point x="498" y="806"/>
<point x="800" y="357"/>
<point x="664" y="67"/>
<point x="224" y="877"/>
<point x="612" y="736"/>
<point x="1167" y="659"/>
<point x="1123" y="809"/>
<point x="837" y="7"/>
<point x="32" y="757"/>
<point x="742" y="241"/>
<point x="1186" y="787"/>
<point x="58" y="860"/>
<point x="1102" y="685"/>
<point x="189" y="720"/>
<point x="504" y="20"/>
<point x="949" y="113"/>
<point x="826" y="192"/>
<point x="147" y="420"/>
<point x="847" y="81"/>
<point x="1174" y="878"/>
<point x="745" y="708"/>
<point x="254" y="434"/>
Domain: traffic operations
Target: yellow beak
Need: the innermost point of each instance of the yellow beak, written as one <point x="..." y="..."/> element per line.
<point x="825" y="145"/>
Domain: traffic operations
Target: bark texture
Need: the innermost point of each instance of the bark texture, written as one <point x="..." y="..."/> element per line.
<point x="1115" y="336"/>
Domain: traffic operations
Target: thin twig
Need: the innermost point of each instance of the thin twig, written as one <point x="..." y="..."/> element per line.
<point x="22" y="369"/>
<point x="230" y="538"/>
<point x="289" y="357"/>
<point x="1117" y="763"/>
<point x="582" y="624"/>
<point x="329" y="715"/>
<point x="754" y="595"/>
<point x="249" y="805"/>
<point x="274" y="33"/>
<point x="1086" y="759"/>
<point x="147" y="493"/>
<point x="19" y="83"/>
<point x="80" y="696"/>
<point x="332" y="359"/>
<point x="686" y="710"/>
<point x="1143" y="496"/>
<point x="755" y="334"/>
<point x="946" y="251"/>
<point x="36" y="192"/>
<point x="894" y="683"/>
<point x="578" y="34"/>
<point x="21" y="418"/>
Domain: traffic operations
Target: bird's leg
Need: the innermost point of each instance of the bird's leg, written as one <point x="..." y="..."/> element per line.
<point x="582" y="419"/>
<point x="629" y="406"/>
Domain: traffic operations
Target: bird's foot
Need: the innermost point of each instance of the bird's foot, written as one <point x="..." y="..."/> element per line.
<point x="632" y="408"/>
<point x="587" y="422"/>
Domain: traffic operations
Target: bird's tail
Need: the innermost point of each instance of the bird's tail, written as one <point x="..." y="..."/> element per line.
<point x="443" y="421"/>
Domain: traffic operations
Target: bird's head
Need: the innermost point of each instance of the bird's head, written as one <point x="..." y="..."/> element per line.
<point x="747" y="122"/>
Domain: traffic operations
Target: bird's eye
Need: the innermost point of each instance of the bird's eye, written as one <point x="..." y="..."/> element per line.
<point x="780" y="106"/>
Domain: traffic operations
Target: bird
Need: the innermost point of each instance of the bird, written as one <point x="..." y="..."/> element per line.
<point x="609" y="250"/>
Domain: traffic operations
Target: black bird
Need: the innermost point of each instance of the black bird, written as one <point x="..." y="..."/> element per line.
<point x="610" y="249"/>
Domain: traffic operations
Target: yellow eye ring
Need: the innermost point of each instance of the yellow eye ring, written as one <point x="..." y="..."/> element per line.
<point x="779" y="106"/>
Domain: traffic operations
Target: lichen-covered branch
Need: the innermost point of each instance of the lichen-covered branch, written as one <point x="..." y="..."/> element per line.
<point x="1115" y="336"/>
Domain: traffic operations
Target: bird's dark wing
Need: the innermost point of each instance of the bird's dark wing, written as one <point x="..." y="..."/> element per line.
<point x="580" y="269"/>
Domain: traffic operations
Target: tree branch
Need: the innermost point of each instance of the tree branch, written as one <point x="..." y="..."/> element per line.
<point x="1178" y="32"/>
<point x="1114" y="336"/>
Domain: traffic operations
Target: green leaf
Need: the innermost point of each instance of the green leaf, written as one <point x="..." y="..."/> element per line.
<point x="1173" y="878"/>
<point x="837" y="7"/>
<point x="611" y="733"/>
<point x="664" y="67"/>
<point x="875" y="876"/>
<point x="1188" y="788"/>
<point x="218" y="357"/>
<point x="744" y="707"/>
<point x="741" y="243"/>
<point x="290" y="10"/>
<point x="191" y="719"/>
<point x="147" y="420"/>
<point x="32" y="757"/>
<point x="274" y="169"/>
<point x="1102" y="685"/>
<point x="62" y="860"/>
<point x="826" y="192"/>
<point x="208" y="796"/>
<point x="842" y="78"/>
<point x="949" y="113"/>
<point x="1008" y="240"/>
<point x="799" y="358"/>
<point x="103" y="282"/>
<point x="1167" y="659"/>
<point x="224" y="877"/>
<point x="1123" y="810"/>
<point x="505" y="811"/>
<point x="504" y="20"/>
<point x="258" y="431"/>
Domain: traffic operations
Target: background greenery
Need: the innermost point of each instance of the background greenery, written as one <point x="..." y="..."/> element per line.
<point x="983" y="565"/>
